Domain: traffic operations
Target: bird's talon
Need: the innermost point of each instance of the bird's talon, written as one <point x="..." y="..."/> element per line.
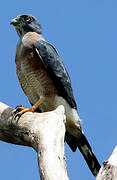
<point x="18" y="108"/>
<point x="17" y="112"/>
<point x="15" y="115"/>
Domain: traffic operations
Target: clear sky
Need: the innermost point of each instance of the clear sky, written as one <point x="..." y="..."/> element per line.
<point x="85" y="34"/>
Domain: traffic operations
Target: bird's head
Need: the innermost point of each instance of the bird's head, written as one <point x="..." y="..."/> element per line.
<point x="26" y="23"/>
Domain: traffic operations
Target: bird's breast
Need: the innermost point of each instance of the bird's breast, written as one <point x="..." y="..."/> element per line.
<point x="34" y="78"/>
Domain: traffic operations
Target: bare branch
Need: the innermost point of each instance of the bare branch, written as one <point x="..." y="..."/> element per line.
<point x="109" y="169"/>
<point x="42" y="131"/>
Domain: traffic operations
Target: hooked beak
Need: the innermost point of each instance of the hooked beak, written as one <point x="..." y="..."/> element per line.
<point x="14" y="21"/>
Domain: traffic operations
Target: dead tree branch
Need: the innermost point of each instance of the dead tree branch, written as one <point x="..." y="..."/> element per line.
<point x="42" y="131"/>
<point x="109" y="169"/>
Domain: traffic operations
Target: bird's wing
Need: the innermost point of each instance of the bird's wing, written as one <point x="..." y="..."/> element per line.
<point x="56" y="70"/>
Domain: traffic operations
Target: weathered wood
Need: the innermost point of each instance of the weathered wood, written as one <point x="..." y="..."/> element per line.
<point x="109" y="169"/>
<point x="42" y="131"/>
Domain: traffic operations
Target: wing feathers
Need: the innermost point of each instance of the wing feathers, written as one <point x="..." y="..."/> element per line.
<point x="56" y="70"/>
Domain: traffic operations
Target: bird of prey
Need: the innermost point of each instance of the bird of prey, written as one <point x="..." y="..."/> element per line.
<point x="46" y="82"/>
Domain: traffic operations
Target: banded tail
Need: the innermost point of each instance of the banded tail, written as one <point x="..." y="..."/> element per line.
<point x="82" y="143"/>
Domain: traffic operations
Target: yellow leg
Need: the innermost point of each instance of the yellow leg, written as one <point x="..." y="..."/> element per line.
<point x="21" y="110"/>
<point x="38" y="103"/>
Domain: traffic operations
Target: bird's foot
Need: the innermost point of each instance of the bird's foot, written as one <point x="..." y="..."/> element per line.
<point x="20" y="110"/>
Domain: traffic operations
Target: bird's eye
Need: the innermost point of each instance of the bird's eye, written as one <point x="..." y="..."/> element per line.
<point x="27" y="19"/>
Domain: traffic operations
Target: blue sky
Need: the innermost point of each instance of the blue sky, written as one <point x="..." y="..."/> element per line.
<point x="85" y="34"/>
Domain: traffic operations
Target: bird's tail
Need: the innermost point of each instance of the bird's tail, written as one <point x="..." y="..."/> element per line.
<point x="82" y="143"/>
